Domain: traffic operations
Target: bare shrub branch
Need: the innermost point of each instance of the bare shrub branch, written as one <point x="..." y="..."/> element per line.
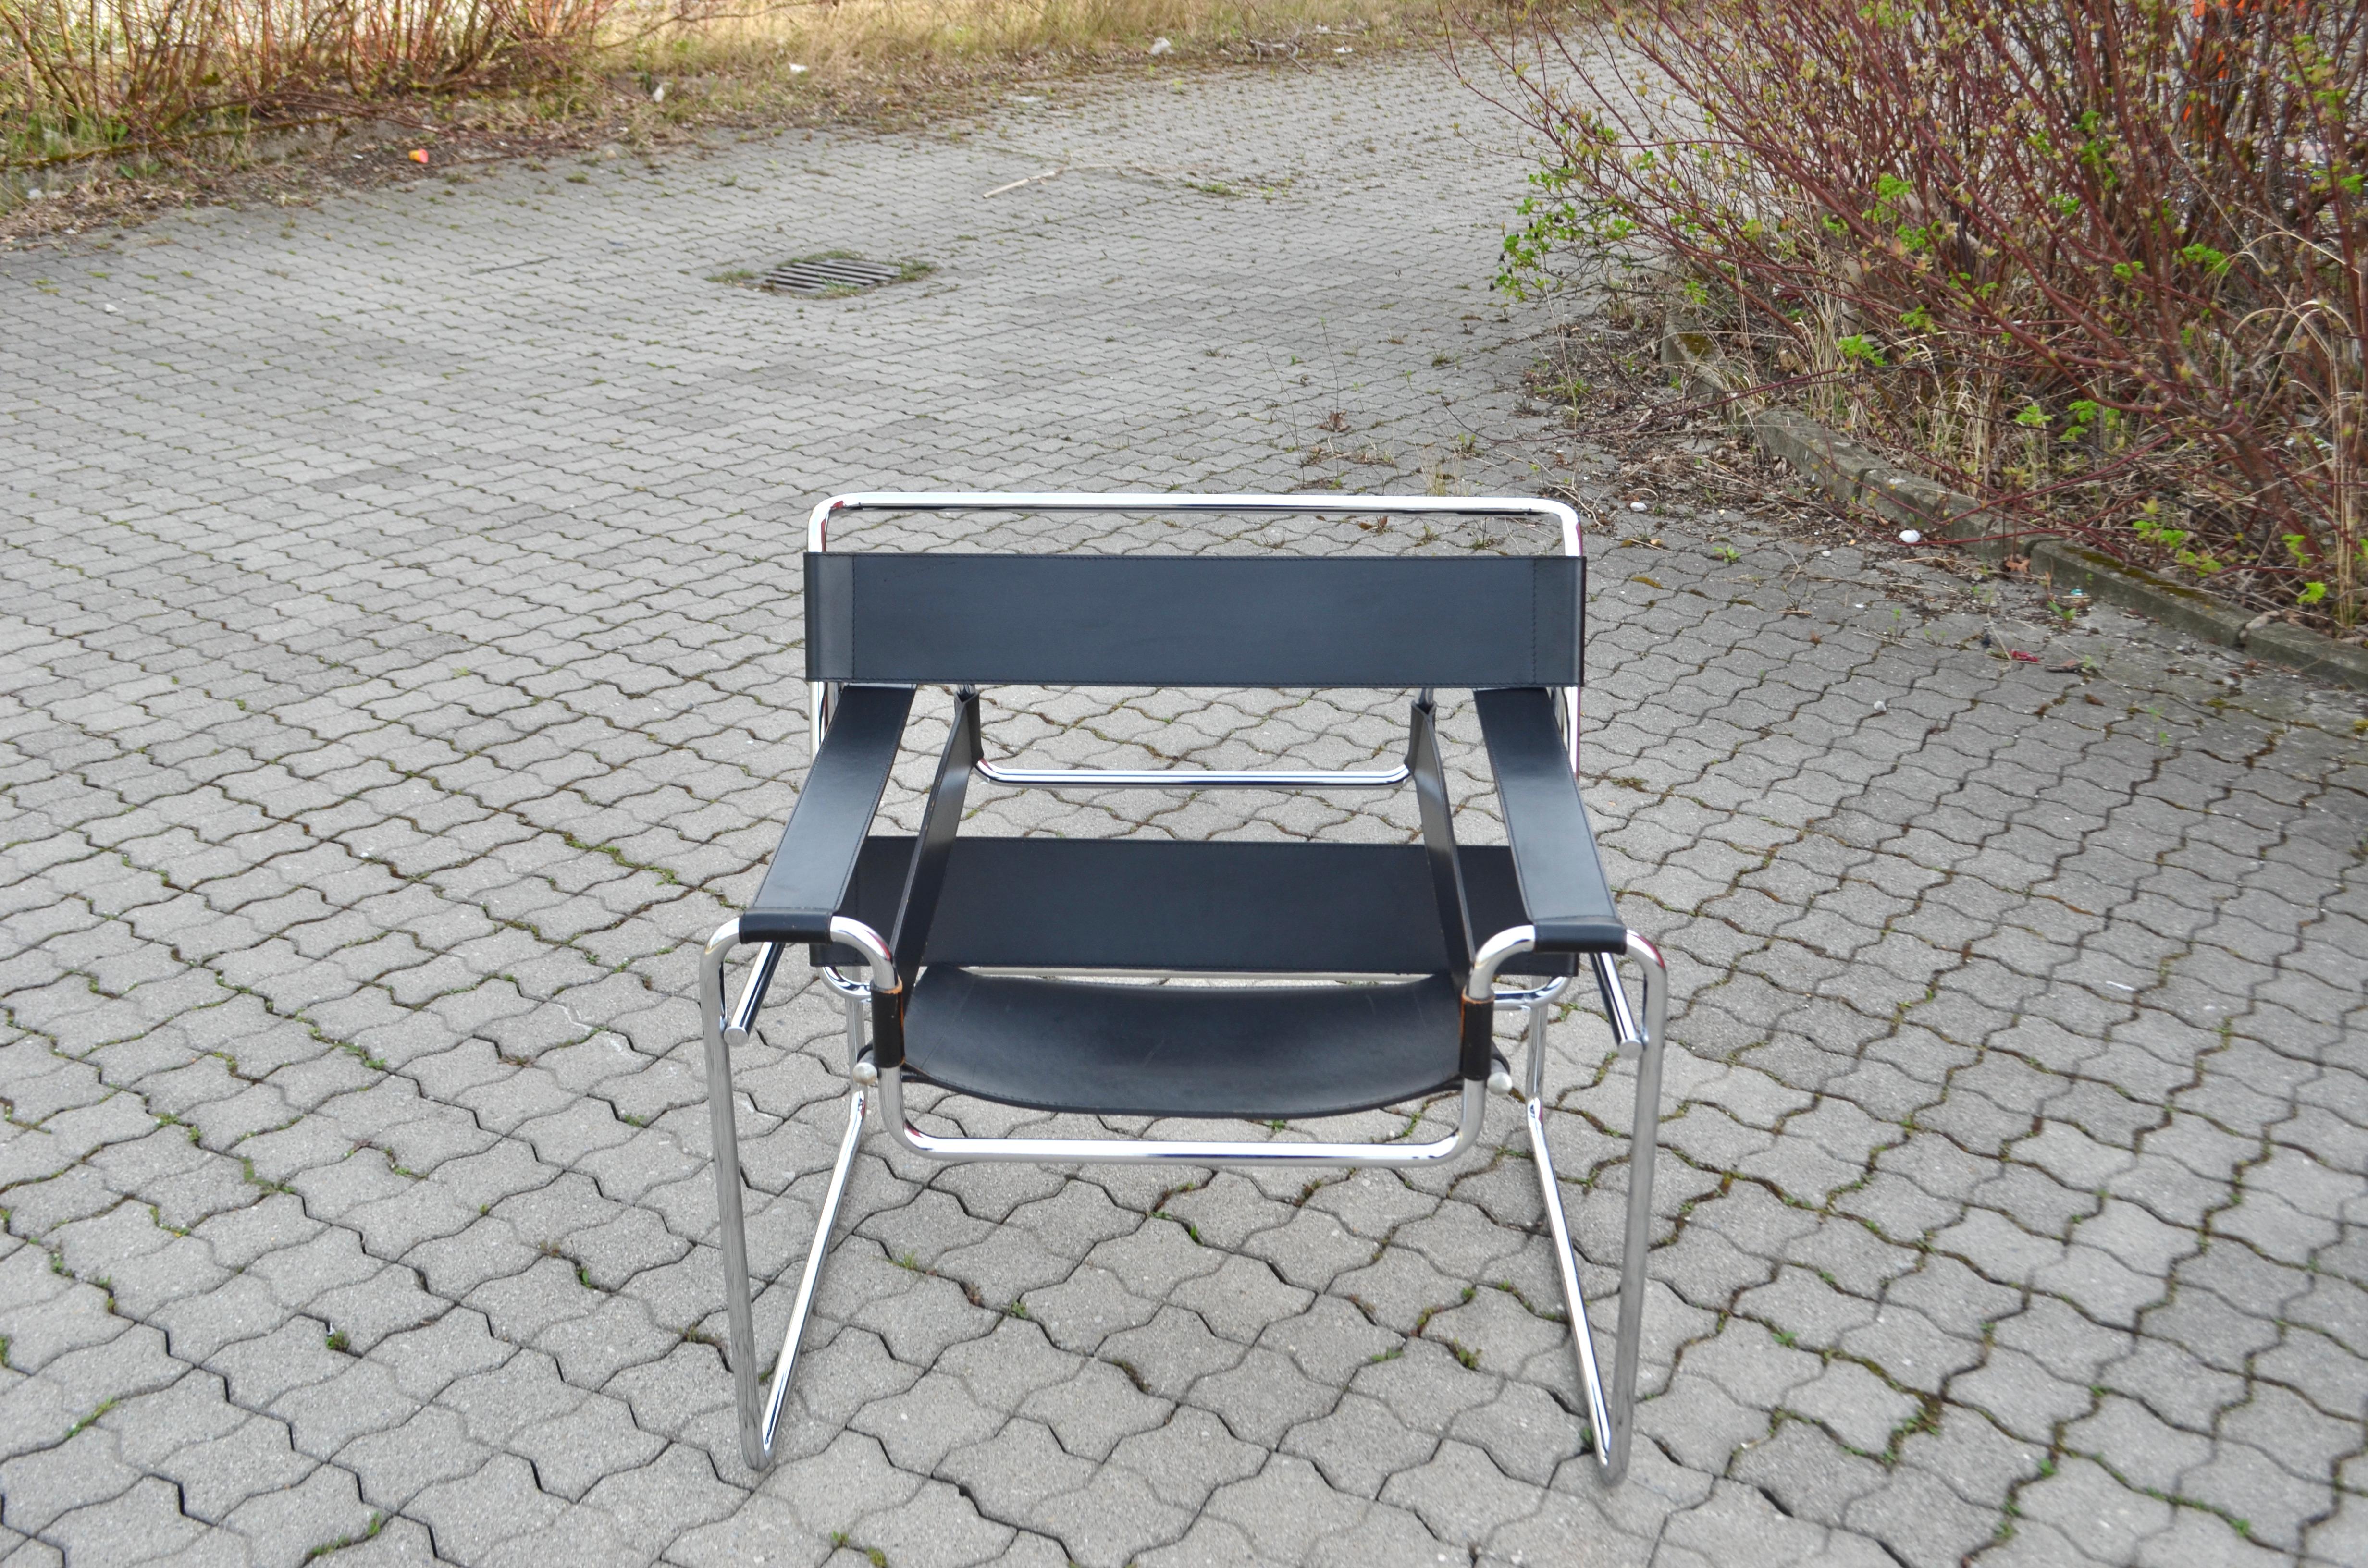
<point x="2098" y="261"/>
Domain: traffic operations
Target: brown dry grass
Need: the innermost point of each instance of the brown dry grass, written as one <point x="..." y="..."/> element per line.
<point x="273" y="103"/>
<point x="850" y="37"/>
<point x="121" y="79"/>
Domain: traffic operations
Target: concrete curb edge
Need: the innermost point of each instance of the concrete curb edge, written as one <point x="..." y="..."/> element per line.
<point x="1853" y="475"/>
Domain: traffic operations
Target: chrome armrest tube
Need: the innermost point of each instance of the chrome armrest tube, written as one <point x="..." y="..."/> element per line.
<point x="752" y="994"/>
<point x="1626" y="1031"/>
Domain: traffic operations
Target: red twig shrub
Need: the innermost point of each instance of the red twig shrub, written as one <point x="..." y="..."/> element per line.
<point x="2098" y="261"/>
<point x="76" y="74"/>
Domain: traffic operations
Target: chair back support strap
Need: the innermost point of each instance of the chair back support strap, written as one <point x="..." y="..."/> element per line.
<point x="925" y="878"/>
<point x="1194" y="620"/>
<point x="1476" y="1027"/>
<point x="1437" y="813"/>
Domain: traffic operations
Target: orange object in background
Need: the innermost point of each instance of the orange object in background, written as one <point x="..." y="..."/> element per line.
<point x="419" y="154"/>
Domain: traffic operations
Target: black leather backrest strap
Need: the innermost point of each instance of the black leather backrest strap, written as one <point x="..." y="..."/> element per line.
<point x="1563" y="885"/>
<point x="1438" y="813"/>
<point x="925" y="879"/>
<point x="1195" y="620"/>
<point x="811" y="870"/>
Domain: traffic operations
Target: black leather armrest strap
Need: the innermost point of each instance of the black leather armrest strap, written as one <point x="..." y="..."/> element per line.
<point x="1562" y="886"/>
<point x="811" y="870"/>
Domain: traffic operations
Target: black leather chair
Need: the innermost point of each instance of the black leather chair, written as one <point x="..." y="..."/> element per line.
<point x="963" y="939"/>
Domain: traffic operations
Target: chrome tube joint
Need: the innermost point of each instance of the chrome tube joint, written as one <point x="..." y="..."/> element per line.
<point x="848" y="931"/>
<point x="1510" y="943"/>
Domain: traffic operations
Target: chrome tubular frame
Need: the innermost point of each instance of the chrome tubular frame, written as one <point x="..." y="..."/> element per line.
<point x="1611" y="1412"/>
<point x="758" y="1421"/>
<point x="1191" y="778"/>
<point x="1175" y="1151"/>
<point x="820" y="696"/>
<point x="1610" y="1407"/>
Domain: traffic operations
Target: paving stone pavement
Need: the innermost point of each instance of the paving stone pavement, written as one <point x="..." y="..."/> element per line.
<point x="402" y="679"/>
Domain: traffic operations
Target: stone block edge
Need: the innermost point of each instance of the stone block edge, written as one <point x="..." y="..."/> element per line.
<point x="1853" y="475"/>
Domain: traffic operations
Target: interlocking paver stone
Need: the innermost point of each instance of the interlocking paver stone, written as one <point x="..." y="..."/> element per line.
<point x="402" y="674"/>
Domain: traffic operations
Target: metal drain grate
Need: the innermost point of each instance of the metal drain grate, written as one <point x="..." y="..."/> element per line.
<point x="830" y="275"/>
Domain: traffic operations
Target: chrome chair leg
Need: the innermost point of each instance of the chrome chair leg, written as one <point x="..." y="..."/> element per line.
<point x="1610" y="1413"/>
<point x="758" y="1423"/>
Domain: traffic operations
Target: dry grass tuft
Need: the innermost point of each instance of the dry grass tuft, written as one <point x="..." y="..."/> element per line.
<point x="120" y="78"/>
<point x="852" y="36"/>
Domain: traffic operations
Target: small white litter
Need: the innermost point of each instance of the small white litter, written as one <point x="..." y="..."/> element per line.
<point x="1636" y="505"/>
<point x="1909" y="536"/>
<point x="1161" y="46"/>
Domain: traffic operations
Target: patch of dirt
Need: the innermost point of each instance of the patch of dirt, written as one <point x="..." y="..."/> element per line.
<point x="1613" y="417"/>
<point x="374" y="147"/>
<point x="1600" y="383"/>
<point x="1616" y="432"/>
